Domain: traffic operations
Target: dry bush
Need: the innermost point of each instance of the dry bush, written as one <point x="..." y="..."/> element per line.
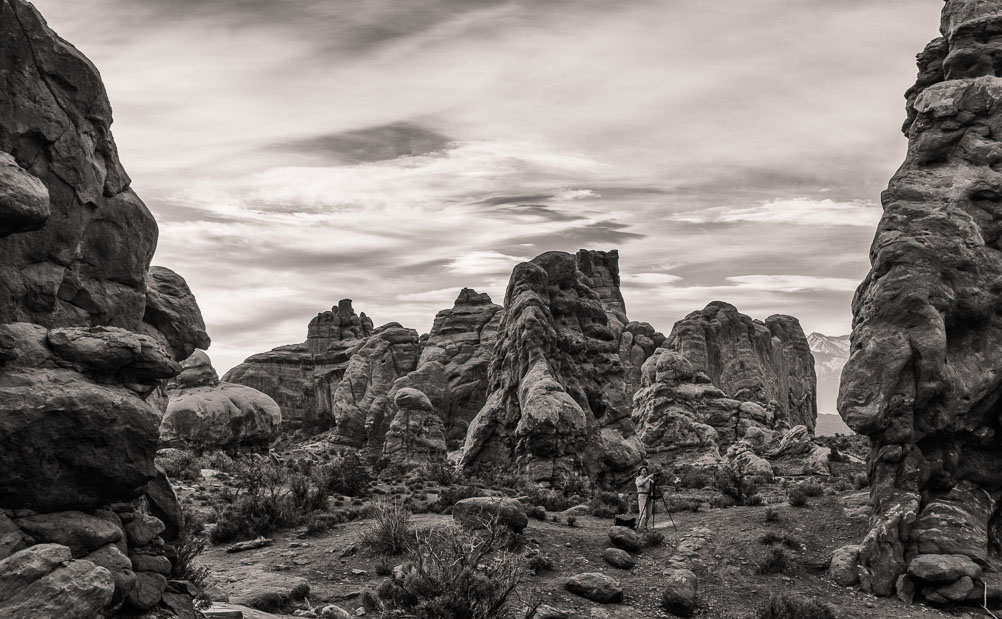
<point x="787" y="606"/>
<point x="391" y="532"/>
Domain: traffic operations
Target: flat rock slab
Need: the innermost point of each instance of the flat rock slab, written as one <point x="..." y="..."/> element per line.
<point x="250" y="545"/>
<point x="617" y="557"/>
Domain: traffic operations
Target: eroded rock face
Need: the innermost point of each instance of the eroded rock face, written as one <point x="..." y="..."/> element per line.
<point x="557" y="401"/>
<point x="302" y="378"/>
<point x="922" y="380"/>
<point x="416" y="435"/>
<point x="203" y="412"/>
<point x="88" y="335"/>
<point x="361" y="406"/>
<point x="766" y="362"/>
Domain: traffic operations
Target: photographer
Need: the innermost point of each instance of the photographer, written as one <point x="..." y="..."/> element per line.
<point x="644" y="482"/>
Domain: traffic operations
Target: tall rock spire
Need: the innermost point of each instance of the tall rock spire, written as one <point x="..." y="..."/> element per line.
<point x="924" y="376"/>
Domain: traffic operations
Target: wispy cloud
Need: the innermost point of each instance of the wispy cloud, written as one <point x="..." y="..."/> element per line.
<point x="300" y="152"/>
<point x="795" y="211"/>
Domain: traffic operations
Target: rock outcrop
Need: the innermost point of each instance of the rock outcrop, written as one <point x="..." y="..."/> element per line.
<point x="205" y="413"/>
<point x="362" y="405"/>
<point x="557" y="403"/>
<point x="416" y="435"/>
<point x="923" y="379"/>
<point x="88" y="333"/>
<point x="302" y="378"/>
<point x="766" y="362"/>
<point x="685" y="418"/>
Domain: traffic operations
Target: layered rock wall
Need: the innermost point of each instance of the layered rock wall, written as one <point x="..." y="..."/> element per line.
<point x="923" y="379"/>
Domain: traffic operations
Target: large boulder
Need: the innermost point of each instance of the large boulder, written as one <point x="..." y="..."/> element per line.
<point x="596" y="587"/>
<point x="205" y="412"/>
<point x="798" y="454"/>
<point x="922" y="380"/>
<point x="481" y="512"/>
<point x="80" y="532"/>
<point x="42" y="581"/>
<point x="679" y="594"/>
<point x="558" y="404"/>
<point x="302" y="378"/>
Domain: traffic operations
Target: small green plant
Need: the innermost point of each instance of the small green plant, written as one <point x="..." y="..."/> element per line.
<point x="391" y="531"/>
<point x="179" y="464"/>
<point x="187" y="547"/>
<point x="572" y="520"/>
<point x="300" y="592"/>
<point x="797" y="496"/>
<point x="732" y="483"/>
<point x="383" y="568"/>
<point x="771" y="514"/>
<point x="788" y="606"/>
<point x="775" y="561"/>
<point x="652" y="538"/>
<point x="608" y="504"/>
<point x="540" y="563"/>
<point x="812" y="488"/>
<point x="789" y="541"/>
<point x="537" y="512"/>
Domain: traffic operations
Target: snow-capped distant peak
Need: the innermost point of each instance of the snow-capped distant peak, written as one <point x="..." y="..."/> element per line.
<point x="837" y="346"/>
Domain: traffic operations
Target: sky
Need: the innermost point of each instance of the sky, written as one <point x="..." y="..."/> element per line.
<point x="298" y="152"/>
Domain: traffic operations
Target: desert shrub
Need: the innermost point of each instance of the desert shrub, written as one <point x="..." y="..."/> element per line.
<point x="551" y="500"/>
<point x="788" y="606"/>
<point x="318" y="523"/>
<point x="775" y="562"/>
<point x="575" y="484"/>
<point x="679" y="504"/>
<point x="540" y="563"/>
<point x="608" y="504"/>
<point x="346" y="475"/>
<point x="187" y="547"/>
<point x="735" y="485"/>
<point x="772" y="537"/>
<point x="450" y="496"/>
<point x="303" y="497"/>
<point x="383" y="567"/>
<point x="797" y="496"/>
<point x="722" y="501"/>
<point x="390" y="532"/>
<point x="771" y="514"/>
<point x="300" y="592"/>
<point x="537" y="512"/>
<point x="572" y="520"/>
<point x="179" y="464"/>
<point x="842" y="485"/>
<point x="370" y="602"/>
<point x="218" y="460"/>
<point x="696" y="479"/>
<point x="443" y="474"/>
<point x="754" y="500"/>
<point x="812" y="488"/>
<point x="453" y="574"/>
<point x="250" y="516"/>
<point x="860" y="481"/>
<point x="652" y="538"/>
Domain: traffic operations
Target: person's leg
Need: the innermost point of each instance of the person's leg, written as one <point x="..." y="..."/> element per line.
<point x="643" y="513"/>
<point x="649" y="517"/>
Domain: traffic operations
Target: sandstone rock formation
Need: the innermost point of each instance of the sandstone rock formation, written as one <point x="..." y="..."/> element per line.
<point x="685" y="418"/>
<point x="206" y="413"/>
<point x="87" y="334"/>
<point x="361" y="405"/>
<point x="767" y="362"/>
<point x="302" y="378"/>
<point x="461" y="341"/>
<point x="416" y="435"/>
<point x="923" y="380"/>
<point x="558" y="403"/>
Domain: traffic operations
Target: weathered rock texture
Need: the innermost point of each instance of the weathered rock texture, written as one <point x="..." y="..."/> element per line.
<point x="87" y="334"/>
<point x="923" y="379"/>
<point x="712" y="395"/>
<point x="302" y="378"/>
<point x="205" y="413"/>
<point x="558" y="402"/>
<point x="750" y="360"/>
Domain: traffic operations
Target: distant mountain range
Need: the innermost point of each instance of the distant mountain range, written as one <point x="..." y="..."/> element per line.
<point x="830" y="354"/>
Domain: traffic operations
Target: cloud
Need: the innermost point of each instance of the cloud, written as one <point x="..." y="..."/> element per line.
<point x="381" y="143"/>
<point x="484" y="263"/>
<point x="793" y="283"/>
<point x="796" y="211"/>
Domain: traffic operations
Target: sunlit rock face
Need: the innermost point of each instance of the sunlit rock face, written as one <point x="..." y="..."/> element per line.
<point x="925" y="369"/>
<point x="557" y="402"/>
<point x="88" y="334"/>
<point x="768" y="362"/>
<point x="303" y="378"/>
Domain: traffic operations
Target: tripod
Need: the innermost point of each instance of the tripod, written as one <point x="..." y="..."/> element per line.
<point x="656" y="491"/>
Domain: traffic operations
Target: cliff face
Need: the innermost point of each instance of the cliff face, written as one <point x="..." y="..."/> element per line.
<point x="302" y="378"/>
<point x="557" y="403"/>
<point x="88" y="332"/>
<point x="923" y="379"/>
<point x="766" y="362"/>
